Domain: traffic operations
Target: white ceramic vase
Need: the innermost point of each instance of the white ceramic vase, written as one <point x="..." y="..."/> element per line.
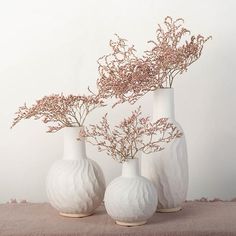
<point x="130" y="199"/>
<point x="75" y="184"/>
<point x="168" y="169"/>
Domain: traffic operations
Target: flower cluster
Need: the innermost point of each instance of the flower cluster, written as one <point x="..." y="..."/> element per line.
<point x="122" y="74"/>
<point x="172" y="54"/>
<point x="133" y="135"/>
<point x="127" y="77"/>
<point x="59" y="110"/>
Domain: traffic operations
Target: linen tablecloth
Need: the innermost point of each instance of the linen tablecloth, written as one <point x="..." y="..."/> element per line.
<point x="196" y="218"/>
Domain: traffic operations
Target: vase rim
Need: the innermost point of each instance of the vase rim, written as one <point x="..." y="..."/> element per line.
<point x="164" y="89"/>
<point x="130" y="159"/>
<point x="130" y="168"/>
<point x="74" y="144"/>
<point x="75" y="130"/>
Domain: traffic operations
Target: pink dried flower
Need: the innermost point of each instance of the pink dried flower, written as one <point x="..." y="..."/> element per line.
<point x="122" y="74"/>
<point x="59" y="110"/>
<point x="172" y="53"/>
<point x="127" y="77"/>
<point x="132" y="135"/>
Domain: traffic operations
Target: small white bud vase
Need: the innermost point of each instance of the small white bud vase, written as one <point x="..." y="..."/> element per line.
<point x="130" y="199"/>
<point x="75" y="184"/>
<point x="168" y="169"/>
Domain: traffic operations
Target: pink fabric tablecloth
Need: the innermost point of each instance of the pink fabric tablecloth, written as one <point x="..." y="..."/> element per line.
<point x="197" y="218"/>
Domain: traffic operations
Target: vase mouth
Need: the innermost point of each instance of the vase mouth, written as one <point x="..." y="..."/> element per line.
<point x="165" y="88"/>
<point x="164" y="91"/>
<point x="74" y="131"/>
<point x="130" y="159"/>
<point x="163" y="103"/>
<point x="130" y="168"/>
<point x="74" y="144"/>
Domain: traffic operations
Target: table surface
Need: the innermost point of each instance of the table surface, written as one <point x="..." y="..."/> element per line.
<point x="196" y="218"/>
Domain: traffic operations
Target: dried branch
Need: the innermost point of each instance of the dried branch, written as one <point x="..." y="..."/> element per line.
<point x="127" y="77"/>
<point x="126" y="139"/>
<point x="172" y="52"/>
<point x="59" y="110"/>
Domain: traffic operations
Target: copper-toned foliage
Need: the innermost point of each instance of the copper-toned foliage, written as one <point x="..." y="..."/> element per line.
<point x="133" y="135"/>
<point x="127" y="77"/>
<point x="59" y="110"/>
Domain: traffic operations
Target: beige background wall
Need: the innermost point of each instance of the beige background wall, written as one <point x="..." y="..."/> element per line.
<point x="51" y="46"/>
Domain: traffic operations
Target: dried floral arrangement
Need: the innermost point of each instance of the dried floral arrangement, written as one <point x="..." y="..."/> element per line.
<point x="127" y="77"/>
<point x="59" y="110"/>
<point x="133" y="135"/>
<point x="122" y="74"/>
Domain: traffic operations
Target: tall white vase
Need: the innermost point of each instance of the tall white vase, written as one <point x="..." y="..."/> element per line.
<point x="75" y="184"/>
<point x="131" y="199"/>
<point x="168" y="169"/>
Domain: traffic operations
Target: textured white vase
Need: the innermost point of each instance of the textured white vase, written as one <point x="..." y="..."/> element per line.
<point x="75" y="184"/>
<point x="168" y="169"/>
<point x="131" y="199"/>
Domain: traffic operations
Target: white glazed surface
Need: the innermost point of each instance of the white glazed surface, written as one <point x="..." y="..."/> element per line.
<point x="130" y="199"/>
<point x="168" y="171"/>
<point x="75" y="186"/>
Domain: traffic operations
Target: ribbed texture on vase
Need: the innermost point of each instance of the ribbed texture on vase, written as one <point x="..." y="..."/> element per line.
<point x="168" y="171"/>
<point x="130" y="199"/>
<point x="75" y="186"/>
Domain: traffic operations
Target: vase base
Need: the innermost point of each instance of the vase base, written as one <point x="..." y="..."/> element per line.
<point x="130" y="224"/>
<point x="169" y="210"/>
<point x="75" y="215"/>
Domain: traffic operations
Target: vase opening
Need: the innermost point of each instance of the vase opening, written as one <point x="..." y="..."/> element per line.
<point x="73" y="148"/>
<point x="163" y="103"/>
<point x="130" y="168"/>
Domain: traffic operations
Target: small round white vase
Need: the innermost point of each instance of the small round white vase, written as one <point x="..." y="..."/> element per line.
<point x="75" y="184"/>
<point x="130" y="199"/>
<point x="168" y="169"/>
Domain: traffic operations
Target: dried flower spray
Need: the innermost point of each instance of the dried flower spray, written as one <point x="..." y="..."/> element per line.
<point x="133" y="135"/>
<point x="59" y="110"/>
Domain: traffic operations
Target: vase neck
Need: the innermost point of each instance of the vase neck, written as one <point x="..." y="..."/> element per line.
<point x="73" y="148"/>
<point x="130" y="168"/>
<point x="163" y="104"/>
